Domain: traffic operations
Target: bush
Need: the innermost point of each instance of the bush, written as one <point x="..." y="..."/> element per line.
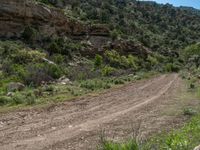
<point x="170" y="67"/>
<point x="58" y="58"/>
<point x="53" y="48"/>
<point x="5" y="100"/>
<point x="38" y="73"/>
<point x="189" y="112"/>
<point x="98" y="61"/>
<point x="29" y="34"/>
<point x="130" y="145"/>
<point x="26" y="56"/>
<point x="191" y="51"/>
<point x="18" y="70"/>
<point x="119" y="81"/>
<point x="30" y="98"/>
<point x="107" y="71"/>
<point x="152" y="60"/>
<point x="54" y="71"/>
<point x="133" y="62"/>
<point x="114" y="59"/>
<point x="95" y="84"/>
<point x="18" y="98"/>
<point x="114" y="35"/>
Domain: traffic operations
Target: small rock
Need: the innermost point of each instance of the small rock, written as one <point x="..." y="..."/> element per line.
<point x="53" y="128"/>
<point x="63" y="80"/>
<point x="15" y="86"/>
<point x="197" y="148"/>
<point x="1" y="124"/>
<point x="10" y="94"/>
<point x="48" y="61"/>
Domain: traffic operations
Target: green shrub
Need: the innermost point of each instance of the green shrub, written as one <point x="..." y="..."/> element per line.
<point x="30" y="98"/>
<point x="38" y="73"/>
<point x="107" y="71"/>
<point x="58" y="58"/>
<point x="133" y="62"/>
<point x="49" y="88"/>
<point x="53" y="48"/>
<point x="95" y="84"/>
<point x="54" y="71"/>
<point x="26" y="56"/>
<point x="18" y="98"/>
<point x="189" y="112"/>
<point x="29" y="34"/>
<point x="130" y="145"/>
<point x="191" y="50"/>
<point x="119" y="81"/>
<point x="152" y="60"/>
<point x="5" y="100"/>
<point x="98" y="61"/>
<point x="170" y="67"/>
<point x="113" y="58"/>
<point x="114" y="35"/>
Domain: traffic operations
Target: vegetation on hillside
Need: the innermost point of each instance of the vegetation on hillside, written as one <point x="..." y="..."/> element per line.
<point x="162" y="28"/>
<point x="172" y="34"/>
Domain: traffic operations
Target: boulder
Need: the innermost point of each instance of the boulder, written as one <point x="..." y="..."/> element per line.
<point x="15" y="86"/>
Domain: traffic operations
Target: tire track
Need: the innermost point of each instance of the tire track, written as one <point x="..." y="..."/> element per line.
<point x="118" y="105"/>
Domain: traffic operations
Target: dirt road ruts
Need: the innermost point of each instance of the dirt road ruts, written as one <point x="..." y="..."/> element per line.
<point x="76" y="125"/>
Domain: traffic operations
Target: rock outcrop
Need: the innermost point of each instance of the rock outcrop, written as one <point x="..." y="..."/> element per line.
<point x="15" y="15"/>
<point x="129" y="47"/>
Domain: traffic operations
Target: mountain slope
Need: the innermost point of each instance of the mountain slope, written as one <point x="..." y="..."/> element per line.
<point x="157" y="26"/>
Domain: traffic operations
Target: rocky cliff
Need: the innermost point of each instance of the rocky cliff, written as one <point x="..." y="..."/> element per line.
<point x="15" y="15"/>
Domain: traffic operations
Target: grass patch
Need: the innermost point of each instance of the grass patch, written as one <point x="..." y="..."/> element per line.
<point x="185" y="138"/>
<point x="130" y="145"/>
<point x="54" y="93"/>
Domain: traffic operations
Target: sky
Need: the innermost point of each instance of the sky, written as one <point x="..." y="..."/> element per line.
<point x="191" y="3"/>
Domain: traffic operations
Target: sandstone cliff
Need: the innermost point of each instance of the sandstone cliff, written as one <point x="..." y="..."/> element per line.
<point x="16" y="14"/>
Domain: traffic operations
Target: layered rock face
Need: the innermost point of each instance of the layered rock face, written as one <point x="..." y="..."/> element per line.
<point x="15" y="15"/>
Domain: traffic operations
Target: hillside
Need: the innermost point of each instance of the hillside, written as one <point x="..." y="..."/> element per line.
<point x="158" y="27"/>
<point x="108" y="61"/>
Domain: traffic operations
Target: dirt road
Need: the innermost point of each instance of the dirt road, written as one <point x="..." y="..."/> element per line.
<point x="77" y="124"/>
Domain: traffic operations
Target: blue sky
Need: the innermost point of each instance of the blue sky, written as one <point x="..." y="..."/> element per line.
<point x="192" y="3"/>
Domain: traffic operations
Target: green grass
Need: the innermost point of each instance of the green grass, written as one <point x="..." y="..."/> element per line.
<point x="185" y="138"/>
<point x="130" y="145"/>
<point x="55" y="93"/>
<point x="198" y="92"/>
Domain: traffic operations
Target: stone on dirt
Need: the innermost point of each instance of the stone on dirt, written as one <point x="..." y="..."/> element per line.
<point x="63" y="80"/>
